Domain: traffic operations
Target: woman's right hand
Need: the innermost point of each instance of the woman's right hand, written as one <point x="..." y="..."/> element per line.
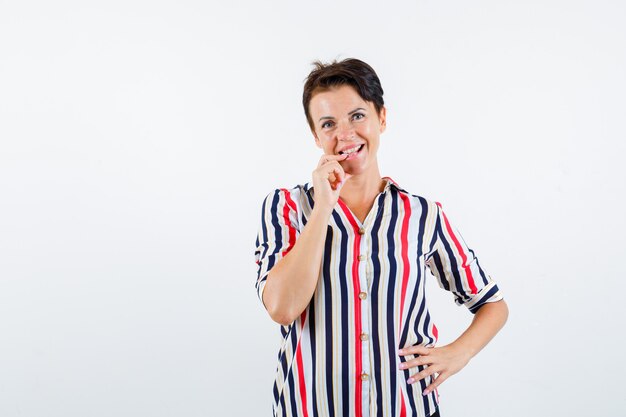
<point x="328" y="179"/>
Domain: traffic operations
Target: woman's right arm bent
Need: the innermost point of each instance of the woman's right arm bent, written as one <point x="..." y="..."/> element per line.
<point x="292" y="281"/>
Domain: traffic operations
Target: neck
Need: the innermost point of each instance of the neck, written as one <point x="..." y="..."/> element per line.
<point x="363" y="187"/>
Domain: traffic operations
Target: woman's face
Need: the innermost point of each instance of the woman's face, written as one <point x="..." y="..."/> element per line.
<point x="345" y="122"/>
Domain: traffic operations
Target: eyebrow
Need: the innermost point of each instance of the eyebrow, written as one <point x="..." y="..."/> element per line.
<point x="353" y="111"/>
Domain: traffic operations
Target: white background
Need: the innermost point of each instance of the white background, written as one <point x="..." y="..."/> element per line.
<point x="138" y="139"/>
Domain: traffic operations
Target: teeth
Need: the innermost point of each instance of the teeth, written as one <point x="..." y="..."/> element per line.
<point x="351" y="150"/>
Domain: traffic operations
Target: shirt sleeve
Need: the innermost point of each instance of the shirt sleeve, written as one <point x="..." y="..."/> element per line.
<point x="277" y="234"/>
<point x="457" y="269"/>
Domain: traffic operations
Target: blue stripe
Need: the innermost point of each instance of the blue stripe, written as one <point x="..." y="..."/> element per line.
<point x="392" y="347"/>
<point x="439" y="269"/>
<point x="328" y="316"/>
<point x="278" y="236"/>
<point x="292" y="394"/>
<point x="275" y="392"/>
<point x="311" y="320"/>
<point x="482" y="272"/>
<point x="311" y="204"/>
<point x="458" y="282"/>
<point x="418" y="279"/>
<point x="258" y="242"/>
<point x="345" y="315"/>
<point x="413" y="291"/>
<point x="263" y="225"/>
<point x="484" y="299"/>
<point x="418" y="283"/>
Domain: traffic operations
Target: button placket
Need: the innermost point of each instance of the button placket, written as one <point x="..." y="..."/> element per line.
<point x="366" y="360"/>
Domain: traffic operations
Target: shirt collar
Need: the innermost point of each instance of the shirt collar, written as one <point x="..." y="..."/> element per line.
<point x="390" y="183"/>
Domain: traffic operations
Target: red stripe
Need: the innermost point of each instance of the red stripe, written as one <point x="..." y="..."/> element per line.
<point x="459" y="248"/>
<point x="435" y="332"/>
<point x="405" y="254"/>
<point x="289" y="204"/>
<point x="301" y="367"/>
<point x="292" y="231"/>
<point x="357" y="310"/>
<point x="405" y="274"/>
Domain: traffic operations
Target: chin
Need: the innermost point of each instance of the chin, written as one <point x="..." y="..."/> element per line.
<point x="354" y="170"/>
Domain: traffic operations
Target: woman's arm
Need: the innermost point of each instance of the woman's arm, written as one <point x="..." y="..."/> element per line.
<point x="291" y="282"/>
<point x="450" y="359"/>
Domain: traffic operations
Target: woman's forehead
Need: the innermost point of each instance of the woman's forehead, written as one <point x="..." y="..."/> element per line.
<point x="337" y="99"/>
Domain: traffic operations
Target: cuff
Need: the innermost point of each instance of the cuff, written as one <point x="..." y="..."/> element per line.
<point x="488" y="294"/>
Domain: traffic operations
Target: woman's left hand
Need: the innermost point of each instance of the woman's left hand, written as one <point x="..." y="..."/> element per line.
<point x="444" y="361"/>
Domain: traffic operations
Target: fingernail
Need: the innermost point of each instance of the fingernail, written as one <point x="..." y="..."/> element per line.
<point x="402" y="366"/>
<point x="410" y="380"/>
<point x="425" y="392"/>
<point x="401" y="351"/>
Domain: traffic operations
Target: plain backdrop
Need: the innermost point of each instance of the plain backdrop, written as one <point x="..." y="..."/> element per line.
<point x="138" y="139"/>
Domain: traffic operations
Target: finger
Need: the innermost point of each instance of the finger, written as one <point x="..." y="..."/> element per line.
<point x="343" y="175"/>
<point x="329" y="158"/>
<point x="331" y="171"/>
<point x="422" y="360"/>
<point x="330" y="166"/>
<point x="417" y="349"/>
<point x="442" y="377"/>
<point x="335" y="177"/>
<point x="342" y="182"/>
<point x="337" y="171"/>
<point x="332" y="157"/>
<point x="422" y="374"/>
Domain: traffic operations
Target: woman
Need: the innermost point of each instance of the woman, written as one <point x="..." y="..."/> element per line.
<point x="342" y="263"/>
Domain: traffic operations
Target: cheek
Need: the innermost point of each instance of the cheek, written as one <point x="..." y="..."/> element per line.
<point x="365" y="130"/>
<point x="327" y="145"/>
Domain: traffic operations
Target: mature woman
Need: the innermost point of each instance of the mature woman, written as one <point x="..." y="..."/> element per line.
<point x="342" y="263"/>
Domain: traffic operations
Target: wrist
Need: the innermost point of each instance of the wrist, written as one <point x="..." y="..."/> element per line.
<point x="464" y="349"/>
<point x="321" y="212"/>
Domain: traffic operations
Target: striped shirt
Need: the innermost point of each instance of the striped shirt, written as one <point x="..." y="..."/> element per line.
<point x="340" y="357"/>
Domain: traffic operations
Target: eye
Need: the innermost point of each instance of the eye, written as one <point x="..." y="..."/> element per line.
<point x="358" y="116"/>
<point x="327" y="124"/>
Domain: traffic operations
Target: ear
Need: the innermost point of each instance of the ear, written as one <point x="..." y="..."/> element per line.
<point x="382" y="118"/>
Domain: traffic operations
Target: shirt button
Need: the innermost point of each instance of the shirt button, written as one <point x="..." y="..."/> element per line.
<point x="361" y="231"/>
<point x="361" y="257"/>
<point x="364" y="336"/>
<point x="365" y="377"/>
<point x="362" y="295"/>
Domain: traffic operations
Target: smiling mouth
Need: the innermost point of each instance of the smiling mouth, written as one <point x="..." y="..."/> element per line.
<point x="352" y="150"/>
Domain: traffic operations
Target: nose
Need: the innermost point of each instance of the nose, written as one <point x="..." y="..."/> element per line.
<point x="345" y="131"/>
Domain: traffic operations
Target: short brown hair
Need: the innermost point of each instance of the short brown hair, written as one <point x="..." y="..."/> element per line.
<point x="350" y="71"/>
